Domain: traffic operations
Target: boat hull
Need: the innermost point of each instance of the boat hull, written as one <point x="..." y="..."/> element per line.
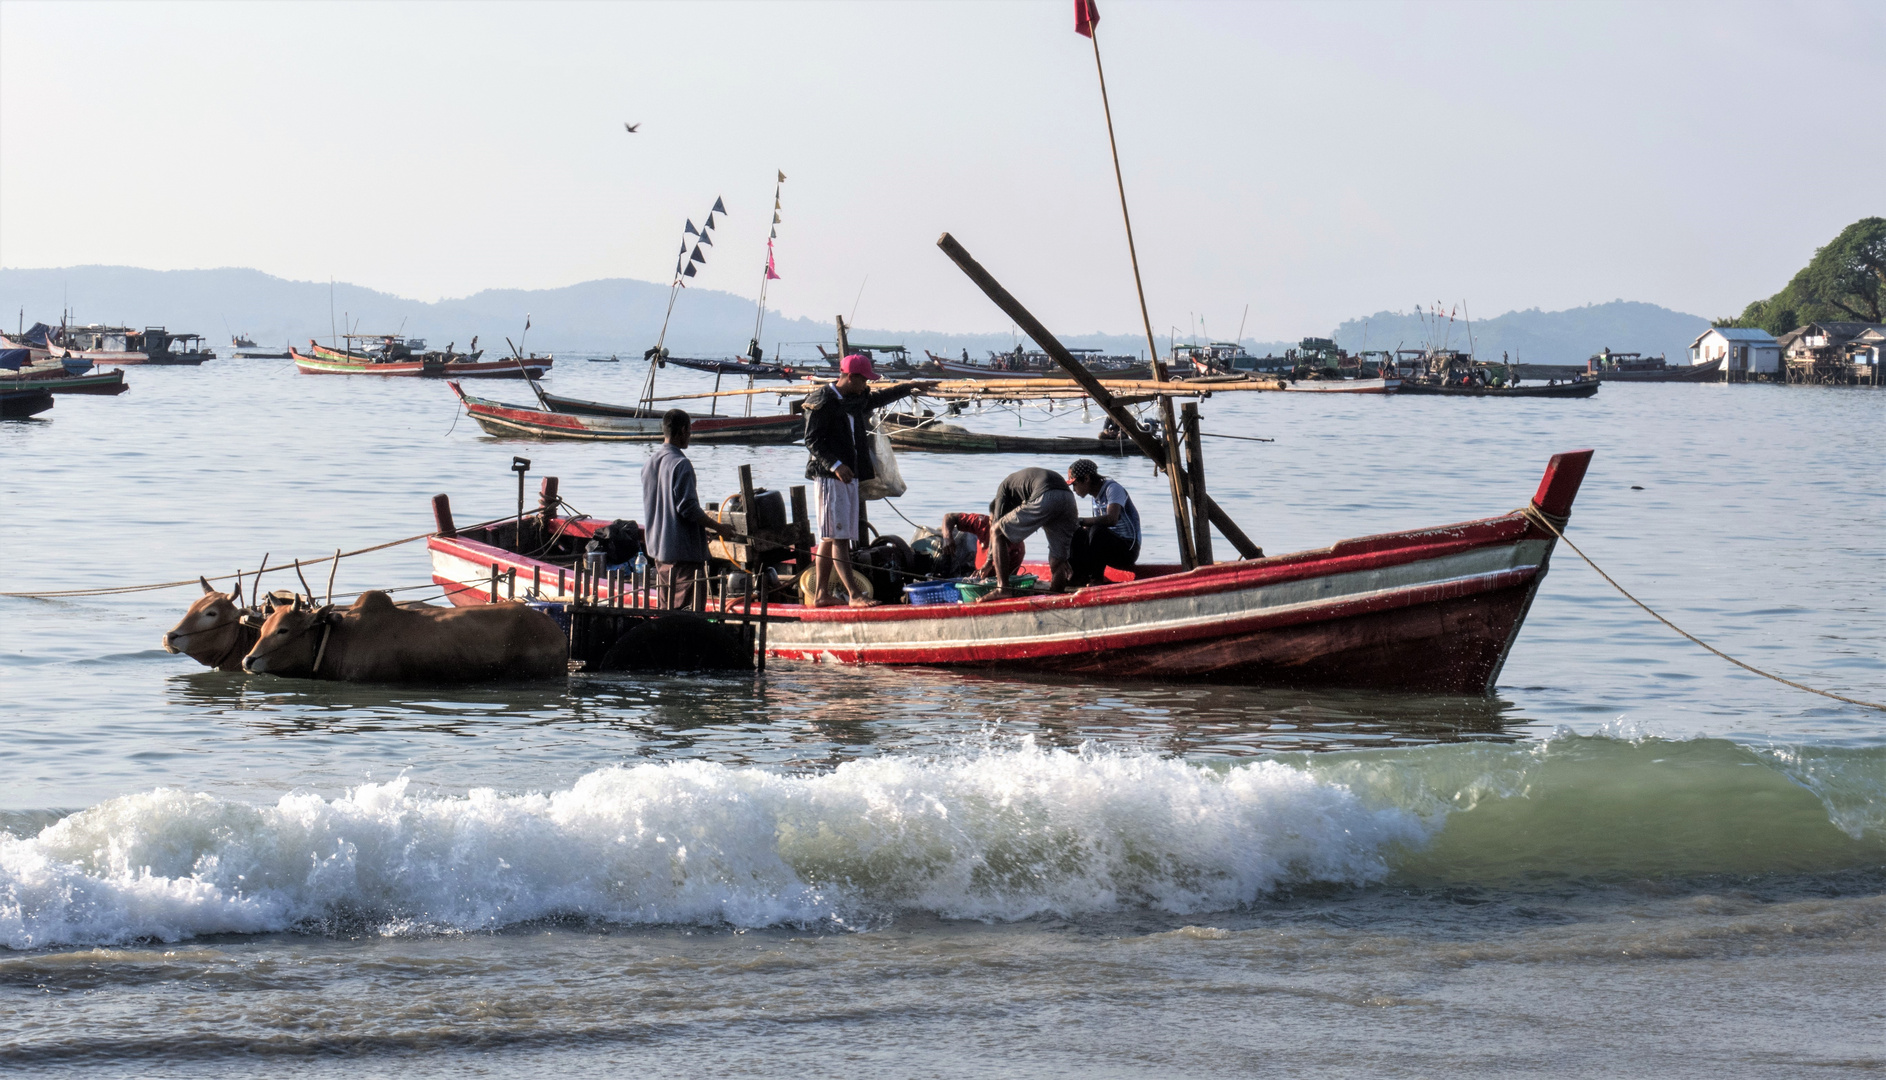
<point x="24" y="402"/>
<point x="522" y="422"/>
<point x="104" y="383"/>
<point x="1708" y="371"/>
<point x="1432" y="610"/>
<point x="474" y="369"/>
<point x="1341" y="386"/>
<point x="1583" y="389"/>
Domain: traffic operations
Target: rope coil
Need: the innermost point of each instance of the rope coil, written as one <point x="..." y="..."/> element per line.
<point x="1555" y="524"/>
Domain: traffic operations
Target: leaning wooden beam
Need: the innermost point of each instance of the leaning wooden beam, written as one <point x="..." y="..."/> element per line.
<point x="1151" y="447"/>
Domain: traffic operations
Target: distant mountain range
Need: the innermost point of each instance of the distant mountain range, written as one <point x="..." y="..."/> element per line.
<point x="624" y="316"/>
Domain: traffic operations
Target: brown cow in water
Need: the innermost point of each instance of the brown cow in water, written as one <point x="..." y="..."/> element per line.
<point x="376" y="641"/>
<point x="212" y="631"/>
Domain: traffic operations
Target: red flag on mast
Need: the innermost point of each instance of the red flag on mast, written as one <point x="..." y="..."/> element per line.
<point x="1086" y="17"/>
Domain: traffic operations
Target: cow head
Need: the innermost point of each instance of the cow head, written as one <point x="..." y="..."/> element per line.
<point x="290" y="641"/>
<point x="211" y="631"/>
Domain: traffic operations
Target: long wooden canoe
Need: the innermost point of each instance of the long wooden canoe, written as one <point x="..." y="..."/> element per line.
<point x="527" y="422"/>
<point x="1582" y="389"/>
<point x="319" y="363"/>
<point x="933" y="437"/>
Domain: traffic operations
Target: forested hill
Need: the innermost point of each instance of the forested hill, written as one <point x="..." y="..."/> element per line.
<point x="624" y="316"/>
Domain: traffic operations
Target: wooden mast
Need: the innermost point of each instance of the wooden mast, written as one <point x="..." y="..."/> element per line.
<point x="1188" y="557"/>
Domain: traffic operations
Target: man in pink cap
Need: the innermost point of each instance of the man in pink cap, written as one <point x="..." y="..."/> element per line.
<point x="837" y="437"/>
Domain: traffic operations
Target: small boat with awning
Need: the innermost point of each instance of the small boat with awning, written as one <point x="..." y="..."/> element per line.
<point x="321" y="360"/>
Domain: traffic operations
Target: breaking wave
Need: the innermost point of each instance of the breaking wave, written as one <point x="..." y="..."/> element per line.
<point x="995" y="834"/>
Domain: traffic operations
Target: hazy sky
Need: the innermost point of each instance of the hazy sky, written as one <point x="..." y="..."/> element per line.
<point x="1315" y="161"/>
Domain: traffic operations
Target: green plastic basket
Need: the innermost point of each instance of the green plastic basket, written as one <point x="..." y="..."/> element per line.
<point x="972" y="591"/>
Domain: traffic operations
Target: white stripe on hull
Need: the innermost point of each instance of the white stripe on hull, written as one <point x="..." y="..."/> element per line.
<point x="1178" y="616"/>
<point x="968" y="634"/>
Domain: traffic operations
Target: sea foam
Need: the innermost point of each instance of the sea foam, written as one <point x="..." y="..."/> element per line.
<point x="998" y="834"/>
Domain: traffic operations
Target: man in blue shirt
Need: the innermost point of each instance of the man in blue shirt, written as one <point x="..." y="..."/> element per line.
<point x="1111" y="536"/>
<point x="674" y="526"/>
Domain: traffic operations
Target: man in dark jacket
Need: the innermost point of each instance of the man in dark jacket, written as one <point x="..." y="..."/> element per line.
<point x="674" y="526"/>
<point x="838" y="440"/>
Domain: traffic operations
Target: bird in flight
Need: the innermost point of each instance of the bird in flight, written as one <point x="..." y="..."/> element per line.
<point x="631" y="128"/>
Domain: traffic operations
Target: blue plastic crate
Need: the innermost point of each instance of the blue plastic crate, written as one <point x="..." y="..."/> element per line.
<point x="933" y="592"/>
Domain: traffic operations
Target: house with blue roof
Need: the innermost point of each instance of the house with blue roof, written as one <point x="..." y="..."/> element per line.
<point x="1742" y="352"/>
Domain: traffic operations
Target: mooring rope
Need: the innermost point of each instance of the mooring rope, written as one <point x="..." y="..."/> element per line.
<point x="47" y="594"/>
<point x="1538" y="516"/>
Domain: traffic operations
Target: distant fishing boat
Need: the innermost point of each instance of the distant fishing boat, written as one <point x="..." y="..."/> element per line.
<point x="1579" y="389"/>
<point x="320" y="360"/>
<point x="122" y="345"/>
<point x="1608" y="366"/>
<point x="738" y="367"/>
<point x="622" y="424"/>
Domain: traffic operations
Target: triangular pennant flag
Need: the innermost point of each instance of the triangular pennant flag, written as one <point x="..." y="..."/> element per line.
<point x="782" y="178"/>
<point x="684" y="247"/>
<point x="718" y="207"/>
<point x="775" y="203"/>
<point x="775" y="235"/>
<point x="705" y="239"/>
<point x="697" y="257"/>
<point x="709" y="225"/>
<point x="775" y="217"/>
<point x="691" y="230"/>
<point x="689" y="272"/>
<point x="771" y="274"/>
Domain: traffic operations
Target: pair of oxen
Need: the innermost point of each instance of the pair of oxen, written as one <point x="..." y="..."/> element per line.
<point x="374" y="640"/>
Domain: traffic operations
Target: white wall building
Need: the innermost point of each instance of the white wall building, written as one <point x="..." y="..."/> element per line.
<point x="1753" y="351"/>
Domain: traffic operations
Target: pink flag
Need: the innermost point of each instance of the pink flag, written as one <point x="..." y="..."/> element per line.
<point x="771" y="274"/>
<point x="1086" y="17"/>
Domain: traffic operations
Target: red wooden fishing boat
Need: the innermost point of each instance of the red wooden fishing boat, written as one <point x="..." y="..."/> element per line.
<point x="321" y="361"/>
<point x="619" y="424"/>
<point x="1430" y="610"/>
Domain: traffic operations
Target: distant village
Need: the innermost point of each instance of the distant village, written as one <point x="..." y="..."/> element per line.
<point x="1818" y="354"/>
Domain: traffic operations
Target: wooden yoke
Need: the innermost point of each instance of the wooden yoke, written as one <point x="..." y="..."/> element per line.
<point x="1154" y="449"/>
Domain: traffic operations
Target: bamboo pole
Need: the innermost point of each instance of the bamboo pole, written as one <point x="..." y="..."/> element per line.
<point x="1195" y="480"/>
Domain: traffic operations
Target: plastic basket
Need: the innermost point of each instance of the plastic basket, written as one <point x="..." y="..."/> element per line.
<point x="971" y="591"/>
<point x="933" y="592"/>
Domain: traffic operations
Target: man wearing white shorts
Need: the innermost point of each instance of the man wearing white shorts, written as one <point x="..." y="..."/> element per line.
<point x="837" y="433"/>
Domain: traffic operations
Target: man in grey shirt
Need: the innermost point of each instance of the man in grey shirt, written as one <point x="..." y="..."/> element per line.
<point x="674" y="526"/>
<point x="1028" y="501"/>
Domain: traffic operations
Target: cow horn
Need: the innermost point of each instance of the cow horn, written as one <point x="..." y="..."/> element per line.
<point x="206" y="583"/>
<point x="326" y="614"/>
<point x="298" y="606"/>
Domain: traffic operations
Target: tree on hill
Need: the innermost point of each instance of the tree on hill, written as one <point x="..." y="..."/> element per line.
<point x="1845" y="281"/>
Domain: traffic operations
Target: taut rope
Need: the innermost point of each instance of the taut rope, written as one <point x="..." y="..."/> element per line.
<point x="1538" y="516"/>
<point x="40" y="595"/>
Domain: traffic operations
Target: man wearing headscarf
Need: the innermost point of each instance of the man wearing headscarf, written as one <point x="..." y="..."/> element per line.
<point x="837" y="440"/>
